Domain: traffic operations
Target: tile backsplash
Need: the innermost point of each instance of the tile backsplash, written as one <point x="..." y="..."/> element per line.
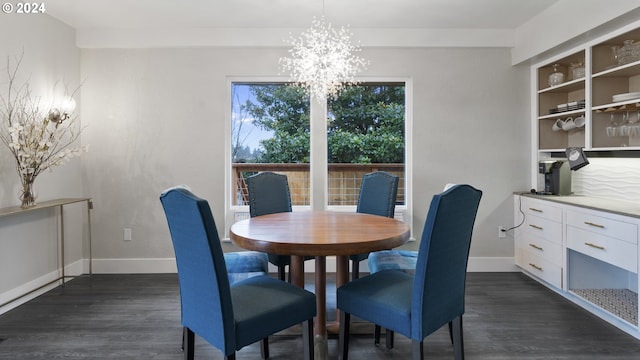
<point x="613" y="178"/>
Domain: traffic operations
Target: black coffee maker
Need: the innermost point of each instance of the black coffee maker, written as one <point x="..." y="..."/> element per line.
<point x="557" y="177"/>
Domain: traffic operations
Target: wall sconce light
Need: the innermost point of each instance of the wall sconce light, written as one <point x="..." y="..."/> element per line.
<point x="62" y="111"/>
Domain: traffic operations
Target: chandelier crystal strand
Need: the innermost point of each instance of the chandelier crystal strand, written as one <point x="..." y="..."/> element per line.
<point x="323" y="60"/>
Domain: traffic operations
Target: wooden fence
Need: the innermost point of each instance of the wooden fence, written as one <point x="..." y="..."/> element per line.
<point x="344" y="180"/>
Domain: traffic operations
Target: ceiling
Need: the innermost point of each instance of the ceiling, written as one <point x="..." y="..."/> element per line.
<point x="219" y="14"/>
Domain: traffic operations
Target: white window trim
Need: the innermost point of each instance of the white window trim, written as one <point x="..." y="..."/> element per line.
<point x="318" y="168"/>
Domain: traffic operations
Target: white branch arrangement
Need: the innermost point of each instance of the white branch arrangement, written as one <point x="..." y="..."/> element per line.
<point x="38" y="138"/>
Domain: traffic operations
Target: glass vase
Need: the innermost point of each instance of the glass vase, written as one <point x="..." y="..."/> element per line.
<point x="557" y="77"/>
<point x="27" y="193"/>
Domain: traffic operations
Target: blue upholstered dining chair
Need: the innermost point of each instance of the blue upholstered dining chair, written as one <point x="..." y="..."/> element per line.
<point x="227" y="316"/>
<point x="417" y="305"/>
<point x="402" y="260"/>
<point x="378" y="192"/>
<point x="240" y="264"/>
<point x="269" y="194"/>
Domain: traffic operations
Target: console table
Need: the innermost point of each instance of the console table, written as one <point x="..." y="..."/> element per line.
<point x="59" y="203"/>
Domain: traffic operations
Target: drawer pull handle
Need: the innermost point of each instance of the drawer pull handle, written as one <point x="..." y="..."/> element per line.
<point x="536" y="210"/>
<point x="536" y="227"/>
<point x="595" y="246"/>
<point x="594" y="224"/>
<point x="535" y="266"/>
<point x="536" y="247"/>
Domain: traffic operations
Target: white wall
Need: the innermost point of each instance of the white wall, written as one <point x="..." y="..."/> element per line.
<point x="156" y="118"/>
<point x="28" y="241"/>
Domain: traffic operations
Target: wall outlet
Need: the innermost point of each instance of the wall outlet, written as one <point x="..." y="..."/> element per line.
<point x="502" y="231"/>
<point x="126" y="235"/>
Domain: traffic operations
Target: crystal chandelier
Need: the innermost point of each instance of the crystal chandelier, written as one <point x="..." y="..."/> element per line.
<point x="323" y="60"/>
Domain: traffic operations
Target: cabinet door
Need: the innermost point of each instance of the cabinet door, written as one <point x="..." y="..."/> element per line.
<point x="604" y="238"/>
<point x="541" y="208"/>
<point x="538" y="245"/>
<point x="615" y="252"/>
<point x="550" y="251"/>
<point x="606" y="226"/>
<point x="543" y="228"/>
<point x="537" y="265"/>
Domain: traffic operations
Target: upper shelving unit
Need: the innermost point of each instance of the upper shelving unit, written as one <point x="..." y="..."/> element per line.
<point x="600" y="83"/>
<point x="561" y="99"/>
<point x="615" y="91"/>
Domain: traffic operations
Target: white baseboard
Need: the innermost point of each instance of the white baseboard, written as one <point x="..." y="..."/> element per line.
<point x="492" y="264"/>
<point x="168" y="265"/>
<point x="134" y="266"/>
<point x="43" y="284"/>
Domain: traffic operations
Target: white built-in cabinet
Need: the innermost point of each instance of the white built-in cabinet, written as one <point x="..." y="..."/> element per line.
<point x="538" y="247"/>
<point x="586" y="249"/>
<point x="597" y="92"/>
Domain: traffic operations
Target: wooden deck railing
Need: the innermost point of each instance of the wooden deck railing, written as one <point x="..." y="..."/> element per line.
<point x="344" y="180"/>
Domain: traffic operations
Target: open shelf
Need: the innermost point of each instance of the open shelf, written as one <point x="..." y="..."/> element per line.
<point x="622" y="303"/>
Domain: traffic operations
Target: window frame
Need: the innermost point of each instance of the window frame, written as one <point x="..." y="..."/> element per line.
<point x="318" y="166"/>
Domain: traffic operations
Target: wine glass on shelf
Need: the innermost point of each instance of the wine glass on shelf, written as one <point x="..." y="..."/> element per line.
<point x="623" y="129"/>
<point x="615" y="56"/>
<point x="612" y="128"/>
<point x="634" y="127"/>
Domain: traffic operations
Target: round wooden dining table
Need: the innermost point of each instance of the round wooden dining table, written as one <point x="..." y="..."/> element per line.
<point x="319" y="234"/>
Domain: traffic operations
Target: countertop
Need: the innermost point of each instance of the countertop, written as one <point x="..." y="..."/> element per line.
<point x="620" y="207"/>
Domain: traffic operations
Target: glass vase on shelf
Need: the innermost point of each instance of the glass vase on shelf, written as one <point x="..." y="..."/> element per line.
<point x="556" y="77"/>
<point x="632" y="51"/>
<point x="577" y="70"/>
<point x="27" y="192"/>
<point x="628" y="53"/>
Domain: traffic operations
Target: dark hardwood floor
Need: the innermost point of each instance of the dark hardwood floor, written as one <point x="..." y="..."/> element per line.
<point x="508" y="316"/>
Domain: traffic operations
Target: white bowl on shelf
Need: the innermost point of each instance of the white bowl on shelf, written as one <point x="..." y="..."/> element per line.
<point x="626" y="96"/>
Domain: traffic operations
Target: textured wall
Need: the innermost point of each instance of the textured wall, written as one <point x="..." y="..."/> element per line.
<point x="617" y="178"/>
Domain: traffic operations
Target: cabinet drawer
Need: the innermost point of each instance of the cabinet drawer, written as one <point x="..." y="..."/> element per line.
<point x="541" y="209"/>
<point x="548" y="250"/>
<point x="607" y="249"/>
<point x="543" y="228"/>
<point x="604" y="226"/>
<point x="539" y="267"/>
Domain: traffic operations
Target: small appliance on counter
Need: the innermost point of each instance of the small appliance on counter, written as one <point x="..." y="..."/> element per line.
<point x="557" y="177"/>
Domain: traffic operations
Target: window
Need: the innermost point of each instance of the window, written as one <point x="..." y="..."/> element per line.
<point x="272" y="130"/>
<point x="365" y="133"/>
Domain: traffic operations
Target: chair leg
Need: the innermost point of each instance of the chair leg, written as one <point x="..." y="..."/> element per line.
<point x="388" y="338"/>
<point x="343" y="339"/>
<point x="416" y="350"/>
<point x="458" y="342"/>
<point x="355" y="270"/>
<point x="307" y="339"/>
<point x="451" y="331"/>
<point x="188" y="343"/>
<point x="230" y="357"/>
<point x="281" y="273"/>
<point x="264" y="348"/>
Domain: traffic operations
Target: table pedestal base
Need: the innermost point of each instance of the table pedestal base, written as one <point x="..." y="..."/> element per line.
<point x="320" y="347"/>
<point x="320" y="327"/>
